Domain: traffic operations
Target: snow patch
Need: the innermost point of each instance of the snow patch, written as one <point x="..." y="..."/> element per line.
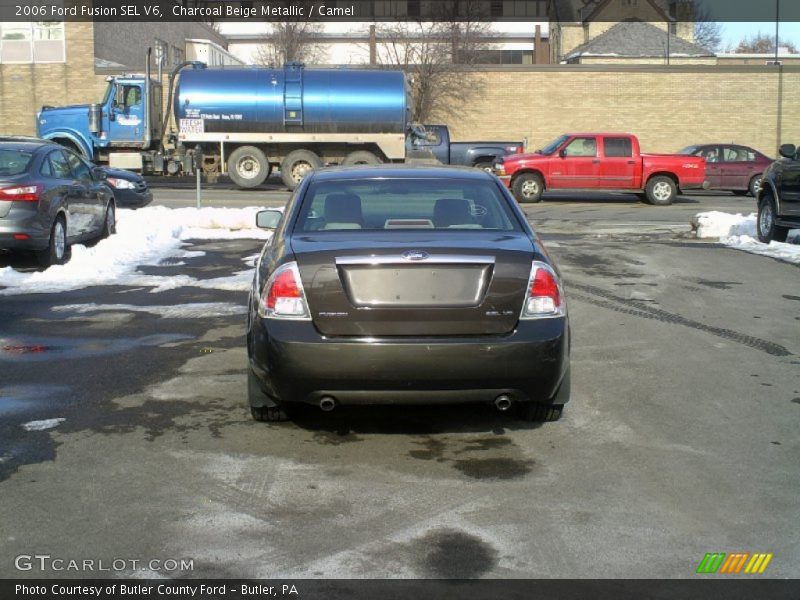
<point x="739" y="231"/>
<point x="43" y="424"/>
<point x="717" y="224"/>
<point x="196" y="310"/>
<point x="144" y="237"/>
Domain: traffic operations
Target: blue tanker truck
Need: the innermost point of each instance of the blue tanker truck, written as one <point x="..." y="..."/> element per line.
<point x="245" y="122"/>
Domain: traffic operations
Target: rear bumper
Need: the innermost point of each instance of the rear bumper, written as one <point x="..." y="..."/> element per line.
<point x="23" y="221"/>
<point x="294" y="363"/>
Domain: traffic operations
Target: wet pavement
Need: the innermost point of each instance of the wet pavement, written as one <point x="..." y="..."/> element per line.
<point x="681" y="437"/>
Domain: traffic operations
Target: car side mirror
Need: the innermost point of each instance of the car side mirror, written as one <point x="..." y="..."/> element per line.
<point x="787" y="150"/>
<point x="99" y="174"/>
<point x="563" y="153"/>
<point x="268" y="219"/>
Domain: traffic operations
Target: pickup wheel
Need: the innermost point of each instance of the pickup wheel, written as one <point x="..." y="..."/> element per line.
<point x="661" y="190"/>
<point x="484" y="166"/>
<point x="297" y="165"/>
<point x="248" y="167"/>
<point x="528" y="187"/>
<point x="361" y="157"/>
<point x="766" y="227"/>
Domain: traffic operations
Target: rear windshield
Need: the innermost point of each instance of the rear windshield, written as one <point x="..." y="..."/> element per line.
<point x="383" y="204"/>
<point x="14" y="162"/>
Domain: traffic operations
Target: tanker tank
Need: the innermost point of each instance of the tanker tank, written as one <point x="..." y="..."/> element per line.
<point x="293" y="99"/>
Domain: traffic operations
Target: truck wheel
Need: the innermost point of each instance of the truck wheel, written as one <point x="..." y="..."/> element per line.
<point x="361" y="157"/>
<point x="661" y="190"/>
<point x="297" y="165"/>
<point x="768" y="230"/>
<point x="57" y="251"/>
<point x="248" y="167"/>
<point x="484" y="166"/>
<point x="528" y="187"/>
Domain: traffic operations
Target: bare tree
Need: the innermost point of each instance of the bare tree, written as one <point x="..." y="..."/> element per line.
<point x="762" y="44"/>
<point x="291" y="41"/>
<point x="433" y="55"/>
<point x="707" y="33"/>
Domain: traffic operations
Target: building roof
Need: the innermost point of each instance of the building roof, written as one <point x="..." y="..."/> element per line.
<point x="636" y="39"/>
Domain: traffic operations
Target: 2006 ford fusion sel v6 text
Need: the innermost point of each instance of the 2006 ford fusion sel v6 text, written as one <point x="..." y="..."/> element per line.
<point x="405" y="285"/>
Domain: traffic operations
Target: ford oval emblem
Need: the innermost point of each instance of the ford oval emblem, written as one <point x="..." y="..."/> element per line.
<point x="415" y="255"/>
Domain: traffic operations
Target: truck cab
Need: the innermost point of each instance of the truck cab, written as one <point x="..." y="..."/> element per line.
<point x="435" y="139"/>
<point x="115" y="131"/>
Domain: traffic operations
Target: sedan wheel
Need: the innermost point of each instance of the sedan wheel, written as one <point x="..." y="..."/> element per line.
<point x="755" y="186"/>
<point x="57" y="251"/>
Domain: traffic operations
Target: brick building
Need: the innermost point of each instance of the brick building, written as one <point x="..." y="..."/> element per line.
<point x="67" y="62"/>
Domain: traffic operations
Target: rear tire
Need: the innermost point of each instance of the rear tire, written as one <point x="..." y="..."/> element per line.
<point x="297" y="165"/>
<point x="248" y="167"/>
<point x="361" y="157"/>
<point x="484" y="166"/>
<point x="539" y="413"/>
<point x="528" y="187"/>
<point x="766" y="227"/>
<point x="661" y="190"/>
<point x="57" y="251"/>
<point x="110" y="222"/>
<point x="262" y="407"/>
<point x="754" y="186"/>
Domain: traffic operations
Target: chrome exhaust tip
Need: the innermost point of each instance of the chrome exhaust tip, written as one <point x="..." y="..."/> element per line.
<point x="503" y="402"/>
<point x="327" y="403"/>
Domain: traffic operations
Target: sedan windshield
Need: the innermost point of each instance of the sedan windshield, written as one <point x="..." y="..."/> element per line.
<point x="551" y="147"/>
<point x="14" y="162"/>
<point x="405" y="203"/>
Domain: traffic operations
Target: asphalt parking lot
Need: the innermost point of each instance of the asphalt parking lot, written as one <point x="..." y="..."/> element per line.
<point x="681" y="437"/>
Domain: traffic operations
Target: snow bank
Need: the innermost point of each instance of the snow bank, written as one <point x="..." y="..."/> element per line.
<point x="717" y="224"/>
<point x="144" y="237"/>
<point x="739" y="232"/>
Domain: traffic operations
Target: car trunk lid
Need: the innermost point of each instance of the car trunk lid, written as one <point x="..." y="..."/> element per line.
<point x="385" y="284"/>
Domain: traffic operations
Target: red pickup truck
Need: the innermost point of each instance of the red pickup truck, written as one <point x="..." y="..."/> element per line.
<point x="600" y="161"/>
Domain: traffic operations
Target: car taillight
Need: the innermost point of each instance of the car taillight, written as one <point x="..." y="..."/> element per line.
<point x="545" y="298"/>
<point x="22" y="193"/>
<point x="283" y="296"/>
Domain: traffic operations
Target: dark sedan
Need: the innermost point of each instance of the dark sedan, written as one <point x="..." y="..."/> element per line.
<point x="405" y="285"/>
<point x="50" y="198"/>
<point x="130" y="189"/>
<point x="731" y="167"/>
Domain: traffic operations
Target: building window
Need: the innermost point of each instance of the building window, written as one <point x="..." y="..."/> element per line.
<point x="505" y="57"/>
<point x="40" y="42"/>
<point x="177" y="55"/>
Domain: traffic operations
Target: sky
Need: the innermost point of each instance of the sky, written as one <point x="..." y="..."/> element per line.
<point x="733" y="33"/>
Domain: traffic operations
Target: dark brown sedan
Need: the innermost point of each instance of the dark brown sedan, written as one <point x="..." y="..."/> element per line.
<point x="731" y="167"/>
<point x="403" y="285"/>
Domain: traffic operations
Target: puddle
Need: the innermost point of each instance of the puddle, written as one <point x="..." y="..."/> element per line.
<point x="25" y="349"/>
<point x="19" y="398"/>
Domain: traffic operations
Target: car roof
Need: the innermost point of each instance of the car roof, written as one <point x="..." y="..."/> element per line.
<point x="400" y="171"/>
<point x="24" y="146"/>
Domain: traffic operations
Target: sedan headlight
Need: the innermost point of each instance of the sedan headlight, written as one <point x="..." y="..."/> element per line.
<point x="121" y="184"/>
